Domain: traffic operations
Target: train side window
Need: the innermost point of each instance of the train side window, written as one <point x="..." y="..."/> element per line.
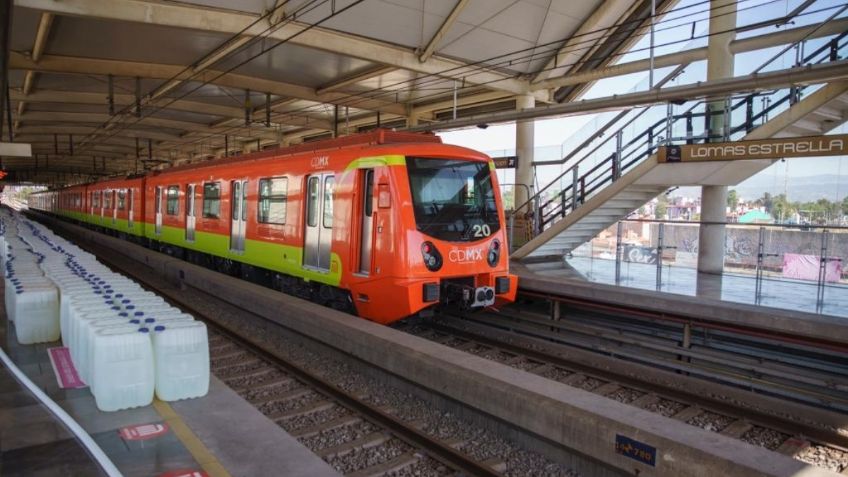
<point x="95" y="199"/>
<point x="173" y="201"/>
<point x="122" y="199"/>
<point x="272" y="200"/>
<point x="312" y="190"/>
<point x="212" y="200"/>
<point x="107" y="202"/>
<point x="329" y="186"/>
<point x="369" y="193"/>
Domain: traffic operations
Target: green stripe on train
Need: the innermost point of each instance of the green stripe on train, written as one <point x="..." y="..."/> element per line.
<point x="281" y="258"/>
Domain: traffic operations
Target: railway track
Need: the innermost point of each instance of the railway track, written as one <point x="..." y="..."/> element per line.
<point x="541" y="353"/>
<point x="335" y="430"/>
<point x="356" y="423"/>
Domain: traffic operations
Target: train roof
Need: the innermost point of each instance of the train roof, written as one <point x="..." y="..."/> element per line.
<point x="372" y="138"/>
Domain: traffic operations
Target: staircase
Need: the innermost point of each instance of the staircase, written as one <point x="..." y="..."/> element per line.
<point x="631" y="176"/>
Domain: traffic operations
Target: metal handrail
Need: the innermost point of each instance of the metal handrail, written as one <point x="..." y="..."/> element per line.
<point x="567" y="198"/>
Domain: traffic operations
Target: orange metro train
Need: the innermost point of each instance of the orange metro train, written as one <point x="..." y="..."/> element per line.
<point x="383" y="224"/>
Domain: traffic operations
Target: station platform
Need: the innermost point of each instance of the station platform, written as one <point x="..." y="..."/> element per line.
<point x="219" y="434"/>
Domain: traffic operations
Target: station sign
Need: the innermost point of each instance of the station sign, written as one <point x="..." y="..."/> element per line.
<point x="807" y="146"/>
<point x="505" y="162"/>
<point x="638" y="451"/>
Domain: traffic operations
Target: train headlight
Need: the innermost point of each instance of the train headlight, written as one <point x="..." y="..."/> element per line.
<point x="432" y="257"/>
<point x="494" y="253"/>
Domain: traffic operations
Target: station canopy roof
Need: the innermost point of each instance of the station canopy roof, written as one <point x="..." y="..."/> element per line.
<point x="108" y="86"/>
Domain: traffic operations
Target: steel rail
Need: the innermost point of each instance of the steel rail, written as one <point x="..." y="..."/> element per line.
<point x="700" y="322"/>
<point x="787" y="426"/>
<point x="435" y="448"/>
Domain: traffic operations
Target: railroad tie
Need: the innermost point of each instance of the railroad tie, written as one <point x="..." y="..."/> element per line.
<point x="364" y="442"/>
<point x="398" y="463"/>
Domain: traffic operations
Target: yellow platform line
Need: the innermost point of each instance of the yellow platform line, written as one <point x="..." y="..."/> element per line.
<point x="195" y="446"/>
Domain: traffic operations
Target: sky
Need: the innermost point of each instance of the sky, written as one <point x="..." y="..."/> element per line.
<point x="556" y="137"/>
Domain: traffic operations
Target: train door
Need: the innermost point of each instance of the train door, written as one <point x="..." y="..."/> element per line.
<point x="157" y="208"/>
<point x="238" y="218"/>
<point x="91" y="204"/>
<point x="114" y="207"/>
<point x="366" y="232"/>
<point x="319" y="221"/>
<point x="131" y="207"/>
<point x="189" y="211"/>
<point x="102" y="205"/>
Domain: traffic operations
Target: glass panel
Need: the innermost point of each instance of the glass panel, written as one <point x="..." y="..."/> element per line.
<point x="329" y="183"/>
<point x="190" y="201"/>
<point x="453" y="200"/>
<point x="369" y="193"/>
<point x="173" y="204"/>
<point x="312" y="206"/>
<point x="272" y="200"/>
<point x="212" y="200"/>
<point x="235" y="195"/>
<point x="122" y="199"/>
<point x="244" y="201"/>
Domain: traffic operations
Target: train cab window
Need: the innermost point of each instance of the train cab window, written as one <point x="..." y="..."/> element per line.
<point x="452" y="199"/>
<point x="329" y="186"/>
<point x="122" y="199"/>
<point x="272" y="200"/>
<point x="173" y="200"/>
<point x="211" y="200"/>
<point x="312" y="191"/>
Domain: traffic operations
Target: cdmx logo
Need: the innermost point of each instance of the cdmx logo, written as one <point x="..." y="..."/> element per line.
<point x="465" y="255"/>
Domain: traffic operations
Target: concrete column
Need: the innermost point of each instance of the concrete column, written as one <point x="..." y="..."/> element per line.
<point x="412" y="121"/>
<point x="524" y="144"/>
<point x="711" y="239"/>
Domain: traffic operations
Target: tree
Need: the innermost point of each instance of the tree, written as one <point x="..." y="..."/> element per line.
<point x="662" y="207"/>
<point x="845" y="205"/>
<point x="781" y="208"/>
<point x="767" y="201"/>
<point x="732" y="199"/>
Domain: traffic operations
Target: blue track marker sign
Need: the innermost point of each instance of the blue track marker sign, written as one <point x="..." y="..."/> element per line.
<point x="636" y="450"/>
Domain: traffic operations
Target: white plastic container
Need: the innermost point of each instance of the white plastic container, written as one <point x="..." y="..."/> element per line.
<point x="89" y="326"/>
<point x="37" y="313"/>
<point x="123" y="369"/>
<point x="181" y="357"/>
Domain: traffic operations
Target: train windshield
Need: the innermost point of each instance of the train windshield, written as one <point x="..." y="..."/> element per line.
<point x="453" y="200"/>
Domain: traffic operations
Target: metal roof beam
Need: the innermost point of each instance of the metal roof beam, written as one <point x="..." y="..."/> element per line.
<point x="95" y="66"/>
<point x="84" y="130"/>
<point x="353" y="79"/>
<point x="41" y="35"/>
<point x="440" y="33"/>
<point x="813" y="74"/>
<point x="690" y="56"/>
<point x="208" y="19"/>
<point x="229" y="112"/>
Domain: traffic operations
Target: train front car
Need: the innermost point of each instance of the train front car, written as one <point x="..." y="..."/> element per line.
<point x="452" y="243"/>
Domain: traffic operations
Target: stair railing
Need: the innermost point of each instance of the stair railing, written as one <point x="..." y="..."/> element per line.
<point x="548" y="206"/>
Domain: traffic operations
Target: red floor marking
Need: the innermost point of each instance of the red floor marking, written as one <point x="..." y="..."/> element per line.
<point x="63" y="367"/>
<point x="184" y="473"/>
<point x="143" y="432"/>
